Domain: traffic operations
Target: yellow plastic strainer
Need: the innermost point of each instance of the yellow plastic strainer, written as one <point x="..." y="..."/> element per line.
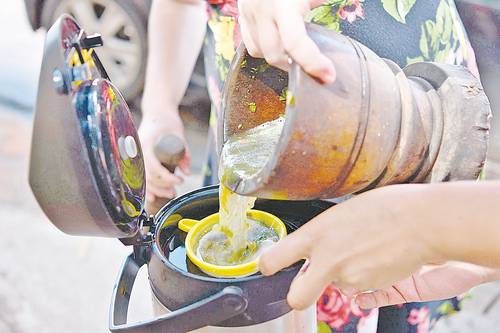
<point x="196" y="229"/>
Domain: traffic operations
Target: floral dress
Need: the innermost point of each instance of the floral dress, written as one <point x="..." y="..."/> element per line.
<point x="405" y="31"/>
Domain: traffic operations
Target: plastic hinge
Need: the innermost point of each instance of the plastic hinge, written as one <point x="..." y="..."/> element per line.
<point x="143" y="236"/>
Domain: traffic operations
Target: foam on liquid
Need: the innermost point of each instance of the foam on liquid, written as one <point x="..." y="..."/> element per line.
<point x="236" y="239"/>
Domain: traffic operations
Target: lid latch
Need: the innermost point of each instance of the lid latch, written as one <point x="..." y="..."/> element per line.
<point x="144" y="236"/>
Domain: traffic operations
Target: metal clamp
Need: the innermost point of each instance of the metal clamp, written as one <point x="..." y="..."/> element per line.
<point x="209" y="311"/>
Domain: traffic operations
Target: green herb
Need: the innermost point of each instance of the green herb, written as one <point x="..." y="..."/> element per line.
<point x="283" y="95"/>
<point x="252" y="107"/>
<point x="261" y="68"/>
<point x="290" y="99"/>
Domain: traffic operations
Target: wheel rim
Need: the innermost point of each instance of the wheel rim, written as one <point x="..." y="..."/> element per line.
<point x="121" y="53"/>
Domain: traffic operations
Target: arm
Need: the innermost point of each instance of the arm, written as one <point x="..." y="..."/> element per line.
<point x="466" y="220"/>
<point x="176" y="31"/>
<point x="387" y="234"/>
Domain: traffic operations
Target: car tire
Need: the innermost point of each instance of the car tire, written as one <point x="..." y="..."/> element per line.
<point x="137" y="17"/>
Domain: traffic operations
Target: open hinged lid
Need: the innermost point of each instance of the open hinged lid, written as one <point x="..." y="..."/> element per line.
<point x="86" y="165"/>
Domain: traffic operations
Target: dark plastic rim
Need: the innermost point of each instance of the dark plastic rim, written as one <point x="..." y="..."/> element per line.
<point x="170" y="208"/>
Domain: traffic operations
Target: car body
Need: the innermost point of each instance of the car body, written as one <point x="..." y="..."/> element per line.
<point x="124" y="52"/>
<point x="34" y="9"/>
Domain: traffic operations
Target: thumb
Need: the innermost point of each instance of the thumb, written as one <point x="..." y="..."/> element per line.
<point x="307" y="287"/>
<point x="286" y="252"/>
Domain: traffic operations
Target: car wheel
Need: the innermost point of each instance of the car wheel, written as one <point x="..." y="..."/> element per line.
<point x="123" y="28"/>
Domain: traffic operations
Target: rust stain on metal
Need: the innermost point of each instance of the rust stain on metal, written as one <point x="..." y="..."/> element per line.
<point x="351" y="135"/>
<point x="472" y="89"/>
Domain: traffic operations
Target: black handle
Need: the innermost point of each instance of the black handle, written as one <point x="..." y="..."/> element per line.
<point x="209" y="311"/>
<point x="169" y="150"/>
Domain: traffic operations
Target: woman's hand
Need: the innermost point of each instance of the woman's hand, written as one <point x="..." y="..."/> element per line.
<point x="365" y="243"/>
<point x="275" y="30"/>
<point x="385" y="235"/>
<point x="159" y="181"/>
<point x="430" y="283"/>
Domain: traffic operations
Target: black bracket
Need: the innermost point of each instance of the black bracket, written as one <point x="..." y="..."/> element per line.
<point x="142" y="239"/>
<point x="144" y="236"/>
<point x="91" y="41"/>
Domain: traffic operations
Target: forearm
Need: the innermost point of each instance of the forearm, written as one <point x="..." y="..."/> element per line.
<point x="461" y="220"/>
<point x="176" y="31"/>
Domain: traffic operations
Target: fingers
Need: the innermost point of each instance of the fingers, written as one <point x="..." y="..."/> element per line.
<point x="249" y="40"/>
<point x="159" y="181"/>
<point x="185" y="163"/>
<point x="271" y="45"/>
<point x="302" y="49"/>
<point x="307" y="286"/>
<point x="161" y="192"/>
<point x="276" y="31"/>
<point x="428" y="284"/>
<point x="185" y="167"/>
<point x="349" y="292"/>
<point x="248" y="30"/>
<point x="286" y="252"/>
<point x="159" y="175"/>
<point x="379" y="298"/>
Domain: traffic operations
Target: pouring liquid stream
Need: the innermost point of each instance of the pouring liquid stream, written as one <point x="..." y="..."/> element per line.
<point x="237" y="239"/>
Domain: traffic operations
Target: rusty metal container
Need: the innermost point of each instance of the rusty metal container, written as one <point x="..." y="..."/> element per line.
<point x="376" y="125"/>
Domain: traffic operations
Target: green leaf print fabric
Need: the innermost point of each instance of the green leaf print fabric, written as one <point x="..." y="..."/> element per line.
<point x="405" y="31"/>
<point x="398" y="8"/>
<point x="438" y="40"/>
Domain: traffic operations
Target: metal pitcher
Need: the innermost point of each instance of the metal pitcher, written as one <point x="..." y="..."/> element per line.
<point x="376" y="125"/>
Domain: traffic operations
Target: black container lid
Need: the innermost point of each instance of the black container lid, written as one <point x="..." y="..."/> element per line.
<point x="86" y="166"/>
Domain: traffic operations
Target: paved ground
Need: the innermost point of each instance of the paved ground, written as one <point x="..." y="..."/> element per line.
<point x="51" y="282"/>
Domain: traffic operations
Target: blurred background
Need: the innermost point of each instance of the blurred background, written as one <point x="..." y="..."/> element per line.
<point x="51" y="282"/>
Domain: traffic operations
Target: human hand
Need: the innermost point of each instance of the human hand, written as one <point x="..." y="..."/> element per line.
<point x="275" y="30"/>
<point x="430" y="283"/>
<point x="159" y="181"/>
<point x="365" y="243"/>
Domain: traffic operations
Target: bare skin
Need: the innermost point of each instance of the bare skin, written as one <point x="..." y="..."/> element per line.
<point x="176" y="32"/>
<point x="275" y="30"/>
<point x="381" y="241"/>
<point x="399" y="243"/>
<point x="430" y="283"/>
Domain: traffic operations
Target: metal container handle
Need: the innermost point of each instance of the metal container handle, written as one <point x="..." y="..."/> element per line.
<point x="209" y="311"/>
